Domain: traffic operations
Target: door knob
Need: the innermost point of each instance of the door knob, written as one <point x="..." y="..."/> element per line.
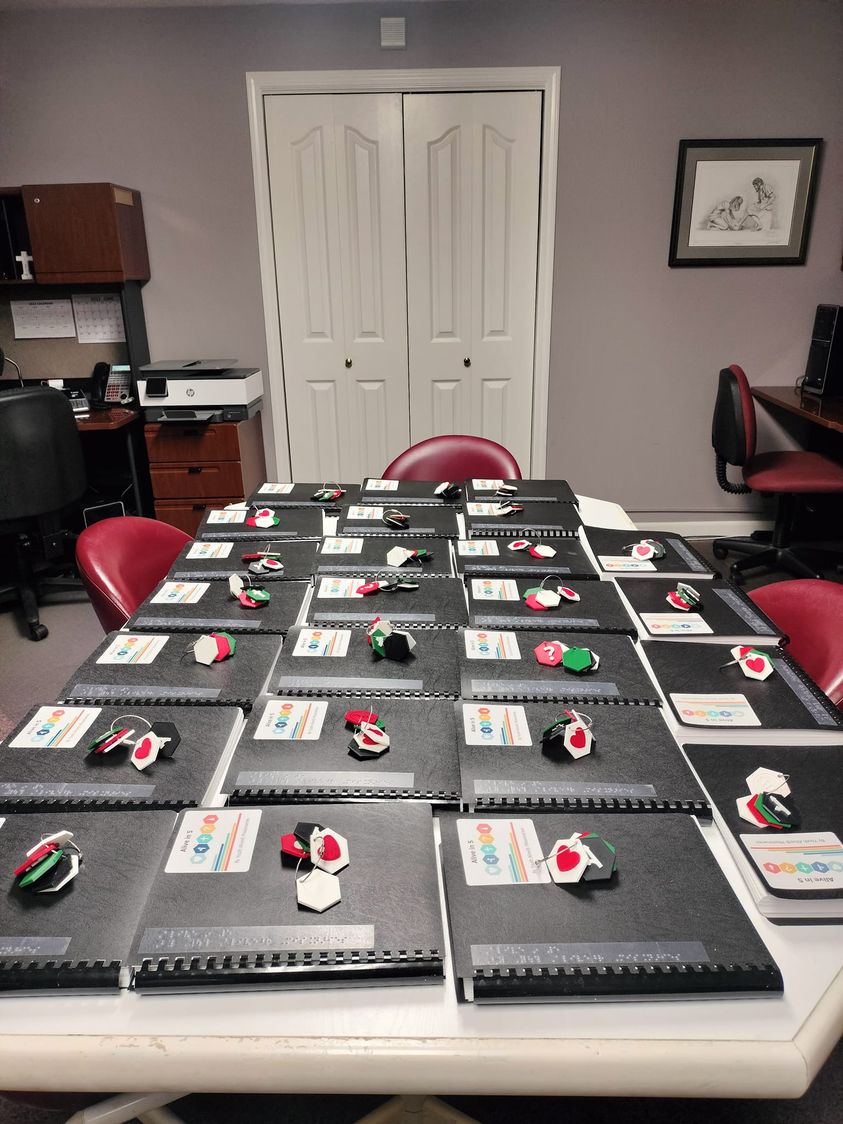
<point x="348" y="362"/>
<point x="466" y="362"/>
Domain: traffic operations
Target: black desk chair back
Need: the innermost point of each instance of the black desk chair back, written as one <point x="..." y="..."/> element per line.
<point x="42" y="473"/>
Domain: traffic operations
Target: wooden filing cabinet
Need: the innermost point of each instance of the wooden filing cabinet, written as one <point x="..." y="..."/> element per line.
<point x="195" y="468"/>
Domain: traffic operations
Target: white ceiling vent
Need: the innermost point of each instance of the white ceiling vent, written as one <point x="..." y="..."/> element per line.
<point x="393" y="33"/>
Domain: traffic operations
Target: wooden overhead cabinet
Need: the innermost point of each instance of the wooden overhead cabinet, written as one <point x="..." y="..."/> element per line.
<point x="86" y="232"/>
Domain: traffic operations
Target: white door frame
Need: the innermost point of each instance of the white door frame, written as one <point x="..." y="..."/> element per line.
<point x="259" y="84"/>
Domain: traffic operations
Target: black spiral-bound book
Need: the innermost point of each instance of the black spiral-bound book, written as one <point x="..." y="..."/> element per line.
<point x="437" y="521"/>
<point x="708" y="701"/>
<point x="363" y="557"/>
<point x="230" y="919"/>
<point x="537" y="520"/>
<point x="608" y="548"/>
<point x="526" y="491"/>
<point x="78" y="939"/>
<point x="45" y="764"/>
<point x="500" y="603"/>
<point x="297" y="751"/>
<point x="724" y="613"/>
<point x="229" y="525"/>
<point x="175" y="606"/>
<point x="276" y="494"/>
<point x="436" y="603"/>
<point x="667" y="924"/>
<point x="340" y="661"/>
<point x="493" y="558"/>
<point x="217" y="561"/>
<point x="502" y="664"/>
<point x="396" y="492"/>
<point x="634" y="764"/>
<point x="130" y="668"/>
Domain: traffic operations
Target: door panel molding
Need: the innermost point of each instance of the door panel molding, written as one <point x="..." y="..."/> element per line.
<point x="547" y="79"/>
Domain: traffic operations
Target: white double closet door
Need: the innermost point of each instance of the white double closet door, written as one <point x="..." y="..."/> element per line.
<point x="406" y="231"/>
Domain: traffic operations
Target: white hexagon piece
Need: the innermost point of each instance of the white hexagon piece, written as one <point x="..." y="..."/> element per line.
<point x="329" y="850"/>
<point x="318" y="890"/>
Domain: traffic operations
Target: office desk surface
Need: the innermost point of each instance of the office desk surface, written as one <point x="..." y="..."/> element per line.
<point x="827" y="412"/>
<point x="114" y="418"/>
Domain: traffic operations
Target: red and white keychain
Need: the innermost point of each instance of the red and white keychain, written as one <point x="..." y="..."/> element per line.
<point x="251" y="596"/>
<point x="319" y="889"/>
<point x="538" y="550"/>
<point x="263" y="517"/>
<point x="754" y="663"/>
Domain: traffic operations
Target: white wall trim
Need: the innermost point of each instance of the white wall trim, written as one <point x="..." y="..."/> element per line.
<point x="260" y="84"/>
<point x="707" y="528"/>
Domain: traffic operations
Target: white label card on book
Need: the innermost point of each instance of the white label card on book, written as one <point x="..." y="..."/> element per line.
<point x="477" y="548"/>
<point x="226" y="516"/>
<point x="486" y="485"/>
<point x="56" y="727"/>
<point x="670" y="624"/>
<point x="482" y="508"/>
<point x="127" y="647"/>
<point x="622" y="563"/>
<point x="340" y="587"/>
<point x="482" y="645"/>
<point x="323" y="642"/>
<point x="273" y="489"/>
<point x="714" y="710"/>
<point x="364" y="511"/>
<point x="381" y="486"/>
<point x="494" y="589"/>
<point x="342" y="546"/>
<point x="805" y="862"/>
<point x="180" y="593"/>
<point x="210" y="550"/>
<point x="214" y="841"/>
<point x="291" y="720"/>
<point x="485" y="724"/>
<point x="501" y="852"/>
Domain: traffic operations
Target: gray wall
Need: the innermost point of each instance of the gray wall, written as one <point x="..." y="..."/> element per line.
<point x="156" y="99"/>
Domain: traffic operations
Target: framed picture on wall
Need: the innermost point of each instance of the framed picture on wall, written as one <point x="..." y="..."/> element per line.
<point x="743" y="202"/>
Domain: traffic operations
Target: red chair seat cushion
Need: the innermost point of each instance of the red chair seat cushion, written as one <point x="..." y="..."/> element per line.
<point x="796" y="472"/>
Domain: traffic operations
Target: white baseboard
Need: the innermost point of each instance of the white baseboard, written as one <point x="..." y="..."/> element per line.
<point x="712" y="528"/>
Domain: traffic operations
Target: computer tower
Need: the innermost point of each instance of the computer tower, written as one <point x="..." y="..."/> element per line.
<point x="824" y="371"/>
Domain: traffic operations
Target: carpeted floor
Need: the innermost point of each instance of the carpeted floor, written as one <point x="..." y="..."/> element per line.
<point x="30" y="671"/>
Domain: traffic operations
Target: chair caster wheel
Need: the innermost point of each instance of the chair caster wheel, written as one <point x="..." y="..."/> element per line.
<point x="719" y="552"/>
<point x="736" y="578"/>
<point x="38" y="632"/>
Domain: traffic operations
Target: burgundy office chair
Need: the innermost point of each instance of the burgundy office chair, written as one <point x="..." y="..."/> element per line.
<point x="454" y="456"/>
<point x="811" y="614"/>
<point x="786" y="475"/>
<point x="122" y="560"/>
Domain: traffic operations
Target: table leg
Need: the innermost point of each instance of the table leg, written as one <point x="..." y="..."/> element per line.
<point x="133" y="468"/>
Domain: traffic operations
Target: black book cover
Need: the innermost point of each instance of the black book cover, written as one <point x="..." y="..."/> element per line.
<point x="396" y="492"/>
<point x="50" y="769"/>
<point x="501" y="664"/>
<point x="634" y="764"/>
<point x="545" y="520"/>
<point x="159" y="668"/>
<point x="787" y="700"/>
<point x="499" y="603"/>
<point x="79" y="937"/>
<point x="200" y="561"/>
<point x="437" y="521"/>
<point x="812" y="773"/>
<point x="340" y="661"/>
<point x="724" y="608"/>
<point x="297" y="750"/>
<point x="437" y="603"/>
<point x="361" y="557"/>
<point x="679" y="556"/>
<point x="528" y="491"/>
<point x="215" y="607"/>
<point x="223" y="911"/>
<point x="481" y="558"/>
<point x="231" y="526"/>
<point x="272" y="494"/>
<point x="667" y="923"/>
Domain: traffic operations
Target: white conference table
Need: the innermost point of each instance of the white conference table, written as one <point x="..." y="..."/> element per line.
<point x="420" y="1040"/>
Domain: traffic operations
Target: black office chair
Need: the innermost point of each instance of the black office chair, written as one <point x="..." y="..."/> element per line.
<point x="42" y="473"/>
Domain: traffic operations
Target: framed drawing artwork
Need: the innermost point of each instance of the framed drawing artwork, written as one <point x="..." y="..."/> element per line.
<point x="743" y="202"/>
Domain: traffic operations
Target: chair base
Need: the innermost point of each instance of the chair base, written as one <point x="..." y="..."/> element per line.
<point x="759" y="555"/>
<point x="29" y="583"/>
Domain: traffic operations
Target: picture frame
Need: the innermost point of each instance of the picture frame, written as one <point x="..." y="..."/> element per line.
<point x="743" y="202"/>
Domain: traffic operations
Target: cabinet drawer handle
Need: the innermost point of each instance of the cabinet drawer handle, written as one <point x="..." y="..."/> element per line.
<point x="200" y="507"/>
<point x="194" y="470"/>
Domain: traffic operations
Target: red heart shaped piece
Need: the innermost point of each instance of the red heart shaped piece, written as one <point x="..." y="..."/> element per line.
<point x="642" y="551"/>
<point x="757" y="663"/>
<point x="329" y="849"/>
<point x="576" y="738"/>
<point x="567" y="859"/>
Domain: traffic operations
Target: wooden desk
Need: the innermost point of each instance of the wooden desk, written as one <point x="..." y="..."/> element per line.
<point x="117" y="417"/>
<point x="827" y="412"/>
